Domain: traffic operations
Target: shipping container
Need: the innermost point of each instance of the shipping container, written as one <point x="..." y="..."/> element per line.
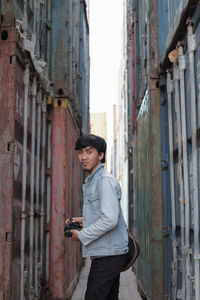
<point x="44" y="97"/>
<point x="165" y="181"/>
<point x="23" y="126"/>
<point x="180" y="77"/>
<point x="124" y="110"/>
<point x="171" y="20"/>
<point x="147" y="208"/>
<point x="70" y="56"/>
<point x="139" y="151"/>
<point x="65" y="260"/>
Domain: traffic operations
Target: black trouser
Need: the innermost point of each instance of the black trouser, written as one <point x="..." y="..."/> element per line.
<point x="103" y="279"/>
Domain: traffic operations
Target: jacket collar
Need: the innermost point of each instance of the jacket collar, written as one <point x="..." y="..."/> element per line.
<point x="90" y="177"/>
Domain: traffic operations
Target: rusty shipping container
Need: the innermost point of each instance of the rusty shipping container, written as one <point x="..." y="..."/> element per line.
<point x="70" y="79"/>
<point x="42" y="113"/>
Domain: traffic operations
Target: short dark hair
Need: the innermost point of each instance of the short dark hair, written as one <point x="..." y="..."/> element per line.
<point x="93" y="141"/>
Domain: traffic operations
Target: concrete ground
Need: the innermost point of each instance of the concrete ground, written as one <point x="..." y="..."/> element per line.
<point x="128" y="287"/>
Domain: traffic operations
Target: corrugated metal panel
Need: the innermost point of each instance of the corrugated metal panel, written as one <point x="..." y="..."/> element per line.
<point x="149" y="205"/>
<point x="73" y="198"/>
<point x="7" y="96"/>
<point x="84" y="68"/>
<point x="132" y="165"/>
<point x="25" y="236"/>
<point x="142" y="61"/>
<point x="143" y="196"/>
<point x="64" y="261"/>
<point x="180" y="121"/>
<point x="183" y="120"/>
<point x="25" y="157"/>
<point x="167" y="231"/>
<point x="137" y="49"/>
<point x="148" y="220"/>
<point x="70" y="73"/>
<point x="61" y="69"/>
<point x="172" y="16"/>
<point x="133" y="77"/>
<point x="18" y="6"/>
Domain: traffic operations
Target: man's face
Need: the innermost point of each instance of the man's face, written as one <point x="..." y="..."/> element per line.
<point x="89" y="158"/>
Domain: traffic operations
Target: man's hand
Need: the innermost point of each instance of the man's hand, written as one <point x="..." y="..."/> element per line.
<point x="76" y="219"/>
<point x="74" y="235"/>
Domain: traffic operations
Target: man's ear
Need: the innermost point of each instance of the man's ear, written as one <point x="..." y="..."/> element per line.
<point x="101" y="155"/>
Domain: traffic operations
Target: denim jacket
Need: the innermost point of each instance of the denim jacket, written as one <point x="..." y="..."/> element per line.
<point x="104" y="230"/>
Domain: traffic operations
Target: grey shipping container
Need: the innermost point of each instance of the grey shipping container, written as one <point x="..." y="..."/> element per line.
<point x="182" y="153"/>
<point x="171" y="67"/>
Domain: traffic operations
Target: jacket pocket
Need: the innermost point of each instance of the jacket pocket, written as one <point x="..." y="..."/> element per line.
<point x="93" y="201"/>
<point x="93" y="197"/>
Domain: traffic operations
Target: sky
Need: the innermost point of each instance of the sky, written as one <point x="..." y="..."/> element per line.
<point x="105" y="23"/>
<point x="105" y="51"/>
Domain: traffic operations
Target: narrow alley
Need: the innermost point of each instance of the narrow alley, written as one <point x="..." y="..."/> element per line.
<point x="128" y="286"/>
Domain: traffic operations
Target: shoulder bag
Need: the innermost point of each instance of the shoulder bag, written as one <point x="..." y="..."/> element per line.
<point x="134" y="251"/>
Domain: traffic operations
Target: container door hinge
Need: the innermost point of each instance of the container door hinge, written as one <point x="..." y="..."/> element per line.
<point x="179" y="294"/>
<point x="13" y="59"/>
<point x="197" y="256"/>
<point x="9" y="237"/>
<point x="165" y="231"/>
<point x="164" y="164"/>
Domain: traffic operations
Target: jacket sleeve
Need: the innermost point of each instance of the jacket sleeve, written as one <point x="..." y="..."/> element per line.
<point x="109" y="214"/>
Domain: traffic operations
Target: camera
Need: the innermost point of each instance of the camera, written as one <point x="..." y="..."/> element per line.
<point x="71" y="225"/>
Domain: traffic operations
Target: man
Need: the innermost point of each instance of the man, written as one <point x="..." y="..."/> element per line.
<point x="104" y="234"/>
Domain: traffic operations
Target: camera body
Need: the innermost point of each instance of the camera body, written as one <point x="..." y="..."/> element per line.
<point x="71" y="225"/>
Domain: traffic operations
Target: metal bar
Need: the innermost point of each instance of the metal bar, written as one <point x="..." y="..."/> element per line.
<point x="195" y="192"/>
<point x="168" y="12"/>
<point x="37" y="185"/>
<point x="180" y="173"/>
<point x="49" y="15"/>
<point x="24" y="173"/>
<point x="38" y="28"/>
<point x="182" y="67"/>
<point x="148" y="37"/>
<point x="48" y="199"/>
<point x="34" y="22"/>
<point x="75" y="47"/>
<point x="76" y="29"/>
<point x="25" y="18"/>
<point x="58" y="187"/>
<point x="70" y="42"/>
<point x="42" y="213"/>
<point x="42" y="31"/>
<point x="47" y="265"/>
<point x="34" y="16"/>
<point x="172" y="186"/>
<point x="39" y="104"/>
<point x="130" y="74"/>
<point x="32" y="185"/>
<point x="143" y="47"/>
